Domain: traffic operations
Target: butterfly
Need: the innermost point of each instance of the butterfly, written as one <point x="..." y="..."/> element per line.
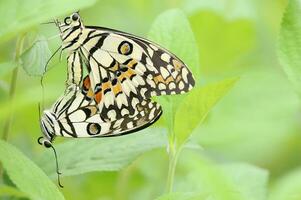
<point x="114" y="98"/>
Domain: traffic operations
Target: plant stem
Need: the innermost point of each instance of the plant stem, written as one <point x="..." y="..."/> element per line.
<point x="173" y="159"/>
<point x="173" y="152"/>
<point x="12" y="90"/>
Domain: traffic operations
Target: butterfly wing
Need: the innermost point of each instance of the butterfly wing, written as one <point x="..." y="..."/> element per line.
<point x="125" y="69"/>
<point x="151" y="69"/>
<point x="75" y="115"/>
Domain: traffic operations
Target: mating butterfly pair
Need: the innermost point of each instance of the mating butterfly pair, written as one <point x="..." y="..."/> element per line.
<point x="114" y="98"/>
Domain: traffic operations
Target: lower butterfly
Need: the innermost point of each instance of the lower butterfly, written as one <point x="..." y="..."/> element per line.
<point x="76" y="115"/>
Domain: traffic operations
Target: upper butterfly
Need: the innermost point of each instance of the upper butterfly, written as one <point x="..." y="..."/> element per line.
<point x="124" y="72"/>
<point x="123" y="69"/>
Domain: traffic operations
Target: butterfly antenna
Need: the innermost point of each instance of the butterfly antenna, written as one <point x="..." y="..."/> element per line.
<point x="51" y="22"/>
<point x="39" y="108"/>
<point x="43" y="98"/>
<point x="57" y="167"/>
<point x="47" y="63"/>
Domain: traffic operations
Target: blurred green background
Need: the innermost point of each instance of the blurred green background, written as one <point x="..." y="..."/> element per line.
<point x="252" y="135"/>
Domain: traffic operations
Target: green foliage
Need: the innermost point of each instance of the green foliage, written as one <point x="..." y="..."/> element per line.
<point x="196" y="106"/>
<point x="181" y="196"/>
<point x="224" y="44"/>
<point x="250" y="181"/>
<point x="171" y="30"/>
<point x="290" y="43"/>
<point x="220" y="181"/>
<point x="28" y="177"/>
<point x="35" y="59"/>
<point x="17" y="16"/>
<point x="101" y="154"/>
<point x="287" y="187"/>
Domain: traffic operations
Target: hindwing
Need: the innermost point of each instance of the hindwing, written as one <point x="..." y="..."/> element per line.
<point x="74" y="115"/>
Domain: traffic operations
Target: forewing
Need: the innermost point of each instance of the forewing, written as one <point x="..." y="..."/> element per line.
<point x="156" y="70"/>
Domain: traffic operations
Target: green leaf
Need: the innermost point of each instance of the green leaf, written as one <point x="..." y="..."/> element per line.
<point x="231" y="181"/>
<point x="251" y="181"/>
<point x="34" y="59"/>
<point x="196" y="106"/>
<point x="261" y="109"/>
<point x="17" y="16"/>
<point x="219" y="40"/>
<point x="10" y="191"/>
<point x="236" y="9"/>
<point x="289" y="48"/>
<point x="287" y="187"/>
<point x="6" y="67"/>
<point x="27" y="176"/>
<point x="206" y="178"/>
<point x="172" y="31"/>
<point x="101" y="154"/>
<point x="182" y="196"/>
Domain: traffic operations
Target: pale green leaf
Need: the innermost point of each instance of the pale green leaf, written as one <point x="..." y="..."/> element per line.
<point x="172" y="31"/>
<point x="290" y="43"/>
<point x="251" y="181"/>
<point x="230" y="10"/>
<point x="196" y="106"/>
<point x="231" y="181"/>
<point x="17" y="15"/>
<point x="26" y="175"/>
<point x="101" y="154"/>
<point x="34" y="59"/>
<point x="287" y="187"/>
<point x="224" y="45"/>
<point x="206" y="178"/>
<point x="182" y="196"/>
<point x="261" y="109"/>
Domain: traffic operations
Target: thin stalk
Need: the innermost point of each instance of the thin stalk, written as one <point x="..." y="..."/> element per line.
<point x="172" y="152"/>
<point x="173" y="159"/>
<point x="12" y="91"/>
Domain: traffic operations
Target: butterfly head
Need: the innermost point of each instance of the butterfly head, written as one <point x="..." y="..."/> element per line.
<point x="47" y="127"/>
<point x="71" y="28"/>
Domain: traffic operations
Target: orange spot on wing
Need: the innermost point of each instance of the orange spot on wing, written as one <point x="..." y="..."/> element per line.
<point x="117" y="88"/>
<point x="98" y="97"/>
<point x="178" y="65"/>
<point x="90" y="93"/>
<point x="129" y="73"/>
<point x="122" y="76"/>
<point x="179" y="78"/>
<point x="159" y="79"/>
<point x="169" y="79"/>
<point x="132" y="63"/>
<point x="106" y="86"/>
<point x="86" y="83"/>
